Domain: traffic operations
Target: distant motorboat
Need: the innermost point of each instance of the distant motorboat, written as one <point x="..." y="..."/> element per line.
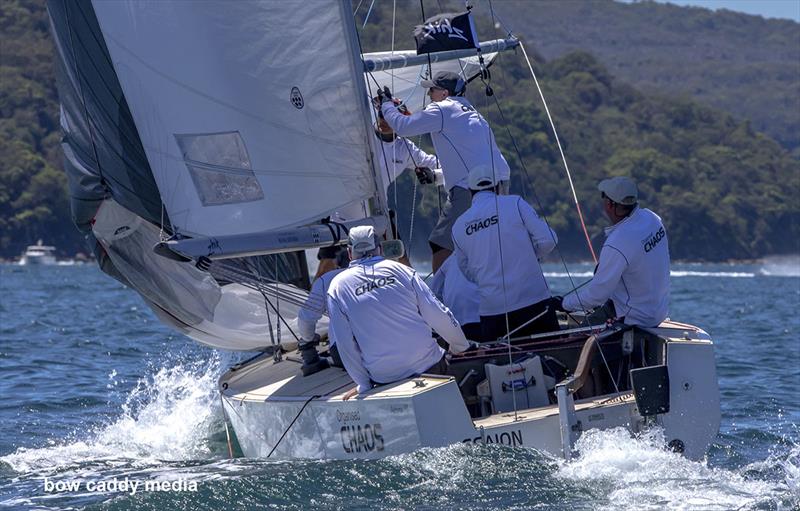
<point x="38" y="254"/>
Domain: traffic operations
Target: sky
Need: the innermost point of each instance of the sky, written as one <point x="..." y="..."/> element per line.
<point x="788" y="9"/>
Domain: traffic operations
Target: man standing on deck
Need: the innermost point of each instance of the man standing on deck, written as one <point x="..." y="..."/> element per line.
<point x="633" y="271"/>
<point x="382" y="314"/>
<point x="499" y="242"/>
<point x="462" y="139"/>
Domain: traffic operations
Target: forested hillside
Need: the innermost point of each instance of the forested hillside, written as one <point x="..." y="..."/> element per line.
<point x="744" y="64"/>
<point x="33" y="188"/>
<point x="724" y="189"/>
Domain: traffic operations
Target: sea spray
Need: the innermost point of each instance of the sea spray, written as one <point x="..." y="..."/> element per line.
<point x="169" y="415"/>
<point x="640" y="472"/>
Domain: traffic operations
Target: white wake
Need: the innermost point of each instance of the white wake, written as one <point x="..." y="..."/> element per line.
<point x="168" y="416"/>
<point x="641" y="474"/>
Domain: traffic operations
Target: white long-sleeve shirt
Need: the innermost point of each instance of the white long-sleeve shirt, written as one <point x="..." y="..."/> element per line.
<point x="315" y="306"/>
<point x="461" y="136"/>
<point x="633" y="271"/>
<point x="402" y="154"/>
<point x="456" y="292"/>
<point x="498" y="242"/>
<point x="382" y="314"/>
<point x="393" y="157"/>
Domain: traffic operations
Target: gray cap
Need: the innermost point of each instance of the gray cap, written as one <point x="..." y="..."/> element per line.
<point x="620" y="189"/>
<point x="481" y="177"/>
<point x="448" y="80"/>
<point x="362" y="238"/>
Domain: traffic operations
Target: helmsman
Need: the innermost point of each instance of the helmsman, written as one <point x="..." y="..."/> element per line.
<point x="633" y="270"/>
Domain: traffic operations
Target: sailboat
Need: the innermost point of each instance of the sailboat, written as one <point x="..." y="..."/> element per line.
<point x="208" y="145"/>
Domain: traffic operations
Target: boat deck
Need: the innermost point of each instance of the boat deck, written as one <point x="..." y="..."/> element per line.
<point x="501" y="419"/>
<point x="283" y="381"/>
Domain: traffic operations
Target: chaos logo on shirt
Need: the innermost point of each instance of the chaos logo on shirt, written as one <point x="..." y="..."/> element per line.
<point x="477" y="225"/>
<point x="374" y="284"/>
<point x="651" y="241"/>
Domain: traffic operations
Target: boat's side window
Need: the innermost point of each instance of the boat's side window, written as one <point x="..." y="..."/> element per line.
<point x="220" y="167"/>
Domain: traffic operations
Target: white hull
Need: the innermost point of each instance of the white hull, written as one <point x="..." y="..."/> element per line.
<point x="265" y="401"/>
<point x="39" y="254"/>
<point x="37" y="260"/>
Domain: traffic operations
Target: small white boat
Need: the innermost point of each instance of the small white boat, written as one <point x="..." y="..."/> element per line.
<point x="38" y="254"/>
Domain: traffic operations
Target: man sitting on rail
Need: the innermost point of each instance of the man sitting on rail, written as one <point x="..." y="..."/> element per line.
<point x="633" y="270"/>
<point x="382" y="313"/>
<point x="499" y="242"/>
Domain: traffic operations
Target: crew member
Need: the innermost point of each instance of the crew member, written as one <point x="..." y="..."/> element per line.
<point x="499" y="242"/>
<point x="311" y="312"/>
<point x="633" y="270"/>
<point x="462" y="139"/>
<point x="382" y="313"/>
<point x="398" y="154"/>
<point x="459" y="295"/>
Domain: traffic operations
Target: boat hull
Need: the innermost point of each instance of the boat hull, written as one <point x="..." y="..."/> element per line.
<point x="298" y="417"/>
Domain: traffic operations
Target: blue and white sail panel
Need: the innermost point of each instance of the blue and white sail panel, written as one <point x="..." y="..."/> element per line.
<point x="103" y="153"/>
<point x="248" y="115"/>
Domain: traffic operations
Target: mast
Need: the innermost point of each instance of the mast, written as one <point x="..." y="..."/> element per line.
<point x="377" y="204"/>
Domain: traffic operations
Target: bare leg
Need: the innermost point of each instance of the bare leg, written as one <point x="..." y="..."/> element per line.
<point x="439" y="258"/>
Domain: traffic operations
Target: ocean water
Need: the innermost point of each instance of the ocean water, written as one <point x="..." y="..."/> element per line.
<point x="94" y="390"/>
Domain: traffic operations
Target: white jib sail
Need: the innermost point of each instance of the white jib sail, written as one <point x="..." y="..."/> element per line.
<point x="249" y="112"/>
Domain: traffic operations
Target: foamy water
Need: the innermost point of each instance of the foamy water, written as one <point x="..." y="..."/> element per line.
<point x="168" y="416"/>
<point x="643" y="474"/>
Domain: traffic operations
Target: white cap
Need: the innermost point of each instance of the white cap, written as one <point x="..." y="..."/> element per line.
<point x="620" y="189"/>
<point x="362" y="238"/>
<point x="482" y="177"/>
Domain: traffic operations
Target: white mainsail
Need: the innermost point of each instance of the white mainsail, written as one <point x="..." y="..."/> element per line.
<point x="235" y="125"/>
<point x="250" y="113"/>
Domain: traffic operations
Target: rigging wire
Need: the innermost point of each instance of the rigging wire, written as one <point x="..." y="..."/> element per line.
<point x="560" y="150"/>
<point x="527" y="174"/>
<point x="366" y="18"/>
<point x="569" y="176"/>
<point x="394" y="146"/>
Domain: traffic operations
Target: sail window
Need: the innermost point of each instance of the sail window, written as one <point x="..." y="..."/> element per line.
<point x="220" y="168"/>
